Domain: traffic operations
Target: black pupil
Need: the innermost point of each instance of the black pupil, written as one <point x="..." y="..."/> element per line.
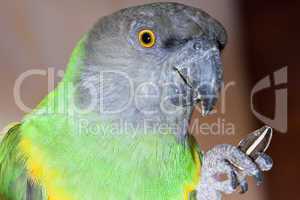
<point x="146" y="37"/>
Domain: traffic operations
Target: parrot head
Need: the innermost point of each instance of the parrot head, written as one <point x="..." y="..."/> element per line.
<point x="154" y="57"/>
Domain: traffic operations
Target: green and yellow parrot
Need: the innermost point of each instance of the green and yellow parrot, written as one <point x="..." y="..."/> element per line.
<point x="115" y="127"/>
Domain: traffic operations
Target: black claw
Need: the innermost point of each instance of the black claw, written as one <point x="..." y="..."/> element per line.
<point x="244" y="187"/>
<point x="258" y="178"/>
<point x="234" y="180"/>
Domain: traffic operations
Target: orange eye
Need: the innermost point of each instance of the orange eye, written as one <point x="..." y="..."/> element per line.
<point x="147" y="38"/>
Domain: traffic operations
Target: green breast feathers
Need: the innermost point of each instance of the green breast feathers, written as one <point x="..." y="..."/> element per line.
<point x="97" y="165"/>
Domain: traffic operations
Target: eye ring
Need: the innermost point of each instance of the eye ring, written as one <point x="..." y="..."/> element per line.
<point x="147" y="38"/>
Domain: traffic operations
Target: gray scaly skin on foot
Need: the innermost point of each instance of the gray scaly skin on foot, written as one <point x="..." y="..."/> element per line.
<point x="218" y="161"/>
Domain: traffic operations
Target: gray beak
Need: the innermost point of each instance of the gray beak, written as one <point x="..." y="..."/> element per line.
<point x="202" y="71"/>
<point x="207" y="101"/>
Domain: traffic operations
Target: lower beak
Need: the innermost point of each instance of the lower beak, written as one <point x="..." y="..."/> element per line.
<point x="207" y="101"/>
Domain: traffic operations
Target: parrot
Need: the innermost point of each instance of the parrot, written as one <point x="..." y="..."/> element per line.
<point x="116" y="125"/>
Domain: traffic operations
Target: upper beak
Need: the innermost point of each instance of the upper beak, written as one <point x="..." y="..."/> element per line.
<point x="203" y="73"/>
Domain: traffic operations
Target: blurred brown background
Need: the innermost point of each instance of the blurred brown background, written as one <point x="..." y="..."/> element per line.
<point x="263" y="37"/>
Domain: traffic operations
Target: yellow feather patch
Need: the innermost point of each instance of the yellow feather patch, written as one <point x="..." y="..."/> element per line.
<point x="41" y="173"/>
<point x="196" y="178"/>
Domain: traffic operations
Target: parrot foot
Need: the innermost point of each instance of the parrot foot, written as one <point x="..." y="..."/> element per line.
<point x="225" y="169"/>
